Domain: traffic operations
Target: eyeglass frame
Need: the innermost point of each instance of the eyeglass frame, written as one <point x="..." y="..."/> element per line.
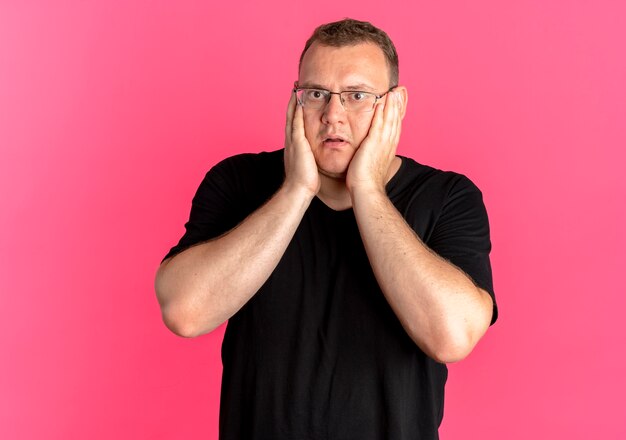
<point x="296" y="87"/>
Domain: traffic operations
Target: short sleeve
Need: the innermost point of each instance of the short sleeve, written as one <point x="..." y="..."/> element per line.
<point x="224" y="198"/>
<point x="461" y="234"/>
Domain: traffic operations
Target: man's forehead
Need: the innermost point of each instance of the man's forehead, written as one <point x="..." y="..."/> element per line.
<point x="365" y="51"/>
<point x="360" y="66"/>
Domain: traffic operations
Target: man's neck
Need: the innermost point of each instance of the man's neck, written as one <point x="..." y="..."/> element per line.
<point x="334" y="192"/>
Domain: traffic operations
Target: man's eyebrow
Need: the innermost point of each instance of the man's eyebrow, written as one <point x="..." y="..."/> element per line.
<point x="360" y="87"/>
<point x="355" y="87"/>
<point x="311" y="86"/>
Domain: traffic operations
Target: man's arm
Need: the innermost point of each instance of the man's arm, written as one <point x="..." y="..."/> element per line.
<point x="205" y="285"/>
<point x="438" y="305"/>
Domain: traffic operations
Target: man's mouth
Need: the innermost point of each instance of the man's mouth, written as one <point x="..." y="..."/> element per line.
<point x="334" y="140"/>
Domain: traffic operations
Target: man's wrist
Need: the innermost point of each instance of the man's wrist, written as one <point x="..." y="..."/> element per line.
<point x="369" y="191"/>
<point x="297" y="192"/>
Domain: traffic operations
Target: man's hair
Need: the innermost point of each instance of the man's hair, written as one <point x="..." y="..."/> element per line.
<point x="349" y="32"/>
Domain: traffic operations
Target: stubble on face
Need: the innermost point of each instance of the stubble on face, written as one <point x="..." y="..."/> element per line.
<point x="334" y="134"/>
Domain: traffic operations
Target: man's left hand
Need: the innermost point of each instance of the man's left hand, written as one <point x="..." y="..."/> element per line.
<point x="369" y="168"/>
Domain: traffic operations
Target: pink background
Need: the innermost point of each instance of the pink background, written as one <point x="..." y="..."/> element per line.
<point x="111" y="113"/>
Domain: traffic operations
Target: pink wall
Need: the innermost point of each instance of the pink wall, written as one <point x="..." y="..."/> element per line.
<point x="111" y="112"/>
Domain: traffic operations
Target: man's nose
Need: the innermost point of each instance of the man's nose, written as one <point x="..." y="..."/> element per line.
<point x="334" y="110"/>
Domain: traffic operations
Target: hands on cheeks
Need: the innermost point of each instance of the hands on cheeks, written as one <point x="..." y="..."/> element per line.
<point x="370" y="165"/>
<point x="300" y="167"/>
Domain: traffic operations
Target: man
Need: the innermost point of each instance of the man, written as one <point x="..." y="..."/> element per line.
<point x="349" y="275"/>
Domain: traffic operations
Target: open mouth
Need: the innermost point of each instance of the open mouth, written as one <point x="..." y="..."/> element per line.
<point x="334" y="140"/>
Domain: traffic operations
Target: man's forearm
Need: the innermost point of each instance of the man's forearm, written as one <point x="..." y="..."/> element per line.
<point x="438" y="305"/>
<point x="205" y="285"/>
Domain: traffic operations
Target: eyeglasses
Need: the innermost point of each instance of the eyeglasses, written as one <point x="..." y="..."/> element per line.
<point x="353" y="101"/>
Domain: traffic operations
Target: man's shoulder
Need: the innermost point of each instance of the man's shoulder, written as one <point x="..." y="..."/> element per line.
<point x="253" y="161"/>
<point x="245" y="176"/>
<point x="253" y="168"/>
<point x="413" y="175"/>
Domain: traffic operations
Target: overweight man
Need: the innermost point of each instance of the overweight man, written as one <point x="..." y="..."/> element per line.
<point x="349" y="275"/>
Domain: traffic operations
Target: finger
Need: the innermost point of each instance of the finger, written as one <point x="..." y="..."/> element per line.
<point x="291" y="107"/>
<point x="389" y="125"/>
<point x="394" y="116"/>
<point x="377" y="119"/>
<point x="390" y="116"/>
<point x="297" y="124"/>
<point x="398" y="119"/>
<point x="382" y="121"/>
<point x="394" y="113"/>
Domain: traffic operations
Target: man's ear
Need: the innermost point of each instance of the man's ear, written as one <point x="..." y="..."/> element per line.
<point x="404" y="94"/>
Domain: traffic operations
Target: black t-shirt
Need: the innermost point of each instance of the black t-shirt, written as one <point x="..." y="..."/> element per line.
<point x="318" y="353"/>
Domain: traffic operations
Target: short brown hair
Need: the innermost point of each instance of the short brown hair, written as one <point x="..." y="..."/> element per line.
<point x="348" y="32"/>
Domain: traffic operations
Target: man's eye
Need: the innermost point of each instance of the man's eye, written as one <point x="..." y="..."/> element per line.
<point x="315" y="95"/>
<point x="357" y="96"/>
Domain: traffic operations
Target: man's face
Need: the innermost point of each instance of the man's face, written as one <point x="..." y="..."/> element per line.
<point x="333" y="133"/>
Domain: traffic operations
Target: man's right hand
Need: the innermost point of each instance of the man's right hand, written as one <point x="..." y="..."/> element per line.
<point x="300" y="166"/>
<point x="204" y="285"/>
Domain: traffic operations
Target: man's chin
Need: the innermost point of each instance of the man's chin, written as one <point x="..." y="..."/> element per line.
<point x="335" y="167"/>
<point x="333" y="174"/>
